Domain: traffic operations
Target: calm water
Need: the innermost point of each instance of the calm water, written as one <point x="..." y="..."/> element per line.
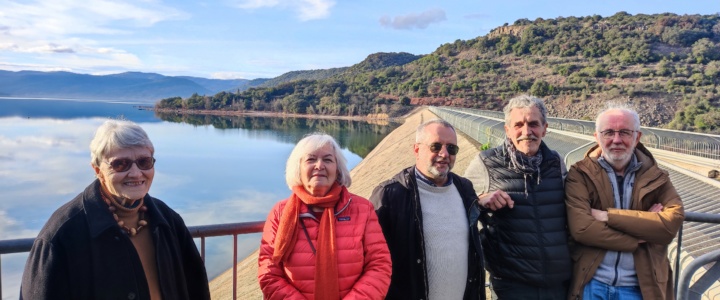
<point x="209" y="169"/>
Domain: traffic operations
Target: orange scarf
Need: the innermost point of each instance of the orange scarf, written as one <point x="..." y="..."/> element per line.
<point x="326" y="269"/>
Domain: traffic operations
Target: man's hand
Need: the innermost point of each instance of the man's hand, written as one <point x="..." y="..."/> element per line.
<point x="599" y="215"/>
<point x="496" y="200"/>
<point x="657" y="207"/>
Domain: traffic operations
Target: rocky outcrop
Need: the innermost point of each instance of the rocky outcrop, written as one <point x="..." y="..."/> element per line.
<point x="514" y="30"/>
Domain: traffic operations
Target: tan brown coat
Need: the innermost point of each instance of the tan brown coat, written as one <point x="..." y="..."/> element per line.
<point x="588" y="186"/>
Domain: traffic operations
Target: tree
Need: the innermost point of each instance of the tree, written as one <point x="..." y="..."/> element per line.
<point x="541" y="88"/>
<point x="704" y="50"/>
<point x="171" y="103"/>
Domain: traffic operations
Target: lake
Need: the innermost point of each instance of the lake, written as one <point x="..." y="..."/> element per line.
<point x="209" y="169"/>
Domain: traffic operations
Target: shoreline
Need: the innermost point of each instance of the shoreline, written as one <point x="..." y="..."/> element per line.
<point x="373" y="118"/>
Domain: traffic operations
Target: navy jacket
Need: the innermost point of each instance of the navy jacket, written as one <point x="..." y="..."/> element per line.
<point x="81" y="253"/>
<point x="528" y="243"/>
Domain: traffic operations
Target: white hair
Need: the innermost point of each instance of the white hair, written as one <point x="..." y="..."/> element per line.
<point x="308" y="144"/>
<point x="117" y="134"/>
<point x="628" y="110"/>
<point x="525" y="101"/>
<point x="420" y="131"/>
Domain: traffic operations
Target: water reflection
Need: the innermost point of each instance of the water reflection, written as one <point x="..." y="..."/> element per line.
<point x="73" y="109"/>
<point x="211" y="170"/>
<point x="357" y="136"/>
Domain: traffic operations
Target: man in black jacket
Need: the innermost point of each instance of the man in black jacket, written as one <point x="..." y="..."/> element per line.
<point x="429" y="217"/>
<point x="520" y="183"/>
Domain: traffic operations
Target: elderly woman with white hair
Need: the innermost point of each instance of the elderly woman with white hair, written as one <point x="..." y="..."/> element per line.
<point x="114" y="241"/>
<point x="322" y="242"/>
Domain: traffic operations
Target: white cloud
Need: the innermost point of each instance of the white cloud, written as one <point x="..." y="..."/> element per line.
<point x="315" y="9"/>
<point x="414" y="20"/>
<point x="50" y="29"/>
<point x="228" y="75"/>
<point x="49" y="48"/>
<point x="252" y="4"/>
<point x="9" y="66"/>
<point x="307" y="9"/>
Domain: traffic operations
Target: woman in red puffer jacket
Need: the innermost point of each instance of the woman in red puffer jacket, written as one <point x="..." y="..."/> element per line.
<point x="322" y="242"/>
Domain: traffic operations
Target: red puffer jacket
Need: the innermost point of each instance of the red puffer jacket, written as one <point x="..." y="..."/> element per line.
<point x="364" y="265"/>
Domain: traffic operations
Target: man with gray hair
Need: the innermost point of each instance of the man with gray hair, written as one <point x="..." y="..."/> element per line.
<point x="429" y="218"/>
<point x="520" y="185"/>
<point x="623" y="211"/>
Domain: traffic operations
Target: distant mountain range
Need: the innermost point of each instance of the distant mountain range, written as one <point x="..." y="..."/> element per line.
<point x="128" y="86"/>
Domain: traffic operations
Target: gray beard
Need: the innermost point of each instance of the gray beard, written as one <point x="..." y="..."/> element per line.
<point x="433" y="170"/>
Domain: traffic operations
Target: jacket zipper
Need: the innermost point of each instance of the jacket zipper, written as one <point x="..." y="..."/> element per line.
<point x="411" y="184"/>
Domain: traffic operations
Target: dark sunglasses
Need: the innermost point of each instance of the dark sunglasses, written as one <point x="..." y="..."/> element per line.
<point x="124" y="164"/>
<point x="436" y="147"/>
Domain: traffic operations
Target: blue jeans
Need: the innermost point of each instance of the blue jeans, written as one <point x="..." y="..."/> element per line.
<point x="596" y="290"/>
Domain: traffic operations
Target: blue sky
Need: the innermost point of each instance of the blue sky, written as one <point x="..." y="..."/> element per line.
<point x="262" y="38"/>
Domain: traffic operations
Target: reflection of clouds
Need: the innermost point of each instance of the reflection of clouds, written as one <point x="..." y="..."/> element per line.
<point x="168" y="180"/>
<point x="244" y="206"/>
<point x="46" y="157"/>
<point x="219" y="256"/>
<point x="12" y="264"/>
<point x="46" y="164"/>
<point x="12" y="229"/>
<point x="12" y="269"/>
<point x="34" y="141"/>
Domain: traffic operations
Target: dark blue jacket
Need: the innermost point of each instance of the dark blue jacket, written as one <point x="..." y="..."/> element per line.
<point x="528" y="243"/>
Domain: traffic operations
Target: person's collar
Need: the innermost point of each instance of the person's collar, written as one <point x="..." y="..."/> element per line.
<point x="420" y="176"/>
<point x="633" y="165"/>
<point x="100" y="219"/>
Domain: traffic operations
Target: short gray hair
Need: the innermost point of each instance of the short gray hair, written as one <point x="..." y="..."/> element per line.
<point x="117" y="134"/>
<point x="310" y="143"/>
<point x="628" y="110"/>
<point x="525" y="101"/>
<point x="420" y="132"/>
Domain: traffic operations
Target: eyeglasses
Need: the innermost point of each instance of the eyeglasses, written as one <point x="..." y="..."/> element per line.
<point x="124" y="164"/>
<point x="451" y="148"/>
<point x="610" y="134"/>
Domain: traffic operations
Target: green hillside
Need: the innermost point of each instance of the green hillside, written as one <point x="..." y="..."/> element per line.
<point x="667" y="65"/>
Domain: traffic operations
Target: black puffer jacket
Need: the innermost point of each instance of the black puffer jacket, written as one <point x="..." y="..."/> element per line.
<point x="400" y="217"/>
<point x="528" y="243"/>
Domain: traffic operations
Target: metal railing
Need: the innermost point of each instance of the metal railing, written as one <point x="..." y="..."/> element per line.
<point x="201" y="232"/>
<point x="683" y="289"/>
<point x="682" y="280"/>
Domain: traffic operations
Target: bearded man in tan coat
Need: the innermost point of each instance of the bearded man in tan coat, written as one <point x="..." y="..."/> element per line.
<point x="622" y="212"/>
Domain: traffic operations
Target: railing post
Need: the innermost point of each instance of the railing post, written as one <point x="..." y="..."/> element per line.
<point x="676" y="272"/>
<point x="234" y="266"/>
<point x="202" y="248"/>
